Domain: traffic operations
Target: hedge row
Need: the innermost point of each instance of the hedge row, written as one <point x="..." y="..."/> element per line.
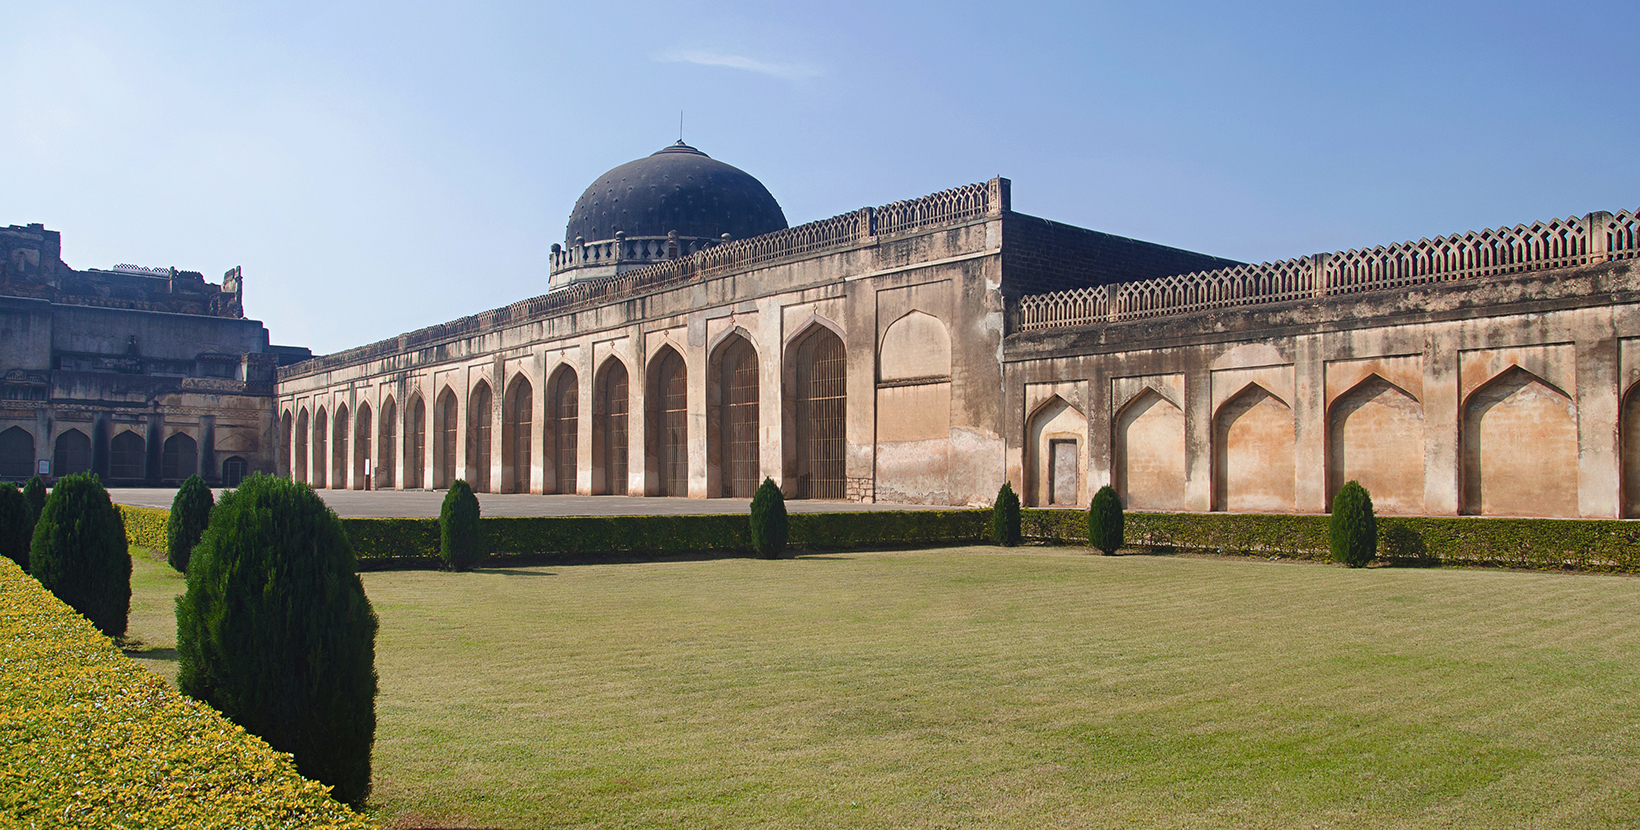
<point x="414" y="542"/>
<point x="93" y="740"/>
<point x="145" y="527"/>
<point x="1602" y="545"/>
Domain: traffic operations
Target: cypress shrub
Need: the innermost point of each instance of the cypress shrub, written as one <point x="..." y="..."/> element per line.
<point x="458" y="527"/>
<point x="1005" y="517"/>
<point x="16" y="525"/>
<point x="35" y="492"/>
<point x="190" y="513"/>
<point x="1354" y="529"/>
<point x="275" y="631"/>
<point x="1105" y="523"/>
<point x="79" y="552"/>
<point x="770" y="525"/>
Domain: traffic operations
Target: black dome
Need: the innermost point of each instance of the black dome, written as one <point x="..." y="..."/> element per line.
<point x="678" y="189"/>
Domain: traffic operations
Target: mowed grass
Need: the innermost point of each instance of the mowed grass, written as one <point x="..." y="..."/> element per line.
<point x="1028" y="688"/>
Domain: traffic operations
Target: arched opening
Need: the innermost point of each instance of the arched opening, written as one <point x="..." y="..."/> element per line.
<point x="819" y="391"/>
<point x="127" y="457"/>
<point x="444" y="449"/>
<point x="299" y="453"/>
<point x="16" y="453"/>
<point x="1054" y="436"/>
<point x="282" y="456"/>
<point x="479" y="418"/>
<point x="610" y="401"/>
<point x="339" y="456"/>
<point x="361" y="446"/>
<point x="415" y="443"/>
<point x="178" y="458"/>
<point x="234" y="470"/>
<point x="387" y="455"/>
<point x="563" y="393"/>
<point x="667" y="423"/>
<point x="1149" y="448"/>
<point x="1253" y="453"/>
<point x="517" y="426"/>
<point x="1375" y="435"/>
<point x="72" y="453"/>
<point x="1519" y="438"/>
<point x="321" y="454"/>
<point x="732" y="442"/>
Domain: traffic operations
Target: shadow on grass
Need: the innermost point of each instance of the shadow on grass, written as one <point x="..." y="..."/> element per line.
<point x="831" y="556"/>
<point x="512" y="572"/>
<point x="139" y="651"/>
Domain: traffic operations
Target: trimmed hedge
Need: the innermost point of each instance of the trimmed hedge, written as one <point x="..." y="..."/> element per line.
<point x="145" y="527"/>
<point x="1598" y="545"/>
<point x="415" y="542"/>
<point x="94" y="740"/>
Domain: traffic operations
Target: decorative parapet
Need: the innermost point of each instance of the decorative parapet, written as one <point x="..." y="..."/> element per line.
<point x="1558" y="243"/>
<point x="950" y="207"/>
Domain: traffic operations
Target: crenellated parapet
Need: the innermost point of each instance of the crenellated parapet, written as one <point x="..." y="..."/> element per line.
<point x="1557" y="243"/>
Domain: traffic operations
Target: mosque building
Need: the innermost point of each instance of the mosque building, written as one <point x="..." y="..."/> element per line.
<point x="692" y="343"/>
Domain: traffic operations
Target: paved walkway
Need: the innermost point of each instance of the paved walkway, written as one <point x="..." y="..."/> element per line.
<point x="410" y="504"/>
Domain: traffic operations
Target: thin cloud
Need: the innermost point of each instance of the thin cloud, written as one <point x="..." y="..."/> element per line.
<point x="700" y="57"/>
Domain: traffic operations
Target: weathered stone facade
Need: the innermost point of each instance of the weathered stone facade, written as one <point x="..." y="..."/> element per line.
<point x="144" y="376"/>
<point x="907" y="353"/>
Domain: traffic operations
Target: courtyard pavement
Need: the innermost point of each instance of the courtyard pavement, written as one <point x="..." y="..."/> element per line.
<point x="413" y="504"/>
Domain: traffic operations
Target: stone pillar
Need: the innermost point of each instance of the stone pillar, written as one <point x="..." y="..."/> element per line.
<point x="1599" y="409"/>
<point x="1309" y="425"/>
<point x="1198" y="438"/>
<point x="1442" y="419"/>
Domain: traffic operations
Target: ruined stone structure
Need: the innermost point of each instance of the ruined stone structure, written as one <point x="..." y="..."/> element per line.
<point x="926" y="350"/>
<point x="141" y="375"/>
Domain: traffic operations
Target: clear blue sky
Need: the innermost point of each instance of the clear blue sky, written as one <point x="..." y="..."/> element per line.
<point x="379" y="167"/>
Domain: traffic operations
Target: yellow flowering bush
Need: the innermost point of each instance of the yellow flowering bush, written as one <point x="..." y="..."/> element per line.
<point x="90" y="739"/>
<point x="145" y="527"/>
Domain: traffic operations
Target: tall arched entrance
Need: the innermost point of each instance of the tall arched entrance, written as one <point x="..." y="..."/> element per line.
<point x="667" y="435"/>
<point x="479" y="418"/>
<point x="610" y="401"/>
<point x="517" y="428"/>
<point x="732" y="442"/>
<point x="819" y="392"/>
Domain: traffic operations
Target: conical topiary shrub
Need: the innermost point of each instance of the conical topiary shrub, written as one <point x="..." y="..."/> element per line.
<point x="16" y="525"/>
<point x="1105" y="522"/>
<point x="275" y="631"/>
<point x="190" y="513"/>
<point x="1005" y="517"/>
<point x="35" y="492"/>
<point x="79" y="552"/>
<point x="770" y="526"/>
<point x="1354" y="528"/>
<point x="458" y="527"/>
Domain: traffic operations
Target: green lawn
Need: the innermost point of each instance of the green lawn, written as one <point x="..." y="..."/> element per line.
<point x="975" y="687"/>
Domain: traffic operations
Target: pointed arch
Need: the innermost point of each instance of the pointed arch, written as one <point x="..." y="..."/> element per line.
<point x="321" y="455"/>
<point x="816" y="371"/>
<point x="1519" y="436"/>
<point x="1375" y="435"/>
<point x="387" y="453"/>
<point x="179" y="458"/>
<point x="415" y="443"/>
<point x="1629" y="435"/>
<point x="563" y="422"/>
<point x="611" y="403"/>
<point x="666" y="424"/>
<point x="480" y="416"/>
<point x="1253" y="453"/>
<point x="914" y="346"/>
<point x="339" y="444"/>
<point x="282" y="456"/>
<point x="127" y="457"/>
<point x="517" y="434"/>
<point x="1055" y="432"/>
<point x="733" y="445"/>
<point x="234" y="470"/>
<point x="447" y="426"/>
<point x="16" y="453"/>
<point x="362" y="423"/>
<point x="1149" y="448"/>
<point x="299" y="449"/>
<point x="72" y="453"/>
